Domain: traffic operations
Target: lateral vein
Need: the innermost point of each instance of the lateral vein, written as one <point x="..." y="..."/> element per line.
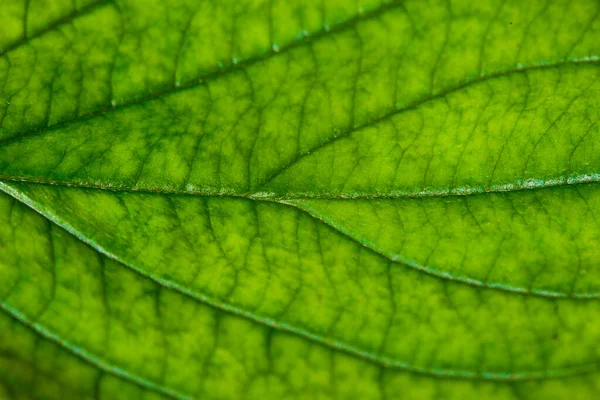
<point x="88" y="357"/>
<point x="336" y="345"/>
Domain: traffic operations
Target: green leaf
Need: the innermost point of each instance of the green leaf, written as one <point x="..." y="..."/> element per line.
<point x="299" y="199"/>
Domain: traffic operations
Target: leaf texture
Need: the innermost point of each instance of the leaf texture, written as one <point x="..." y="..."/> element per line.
<point x="251" y="199"/>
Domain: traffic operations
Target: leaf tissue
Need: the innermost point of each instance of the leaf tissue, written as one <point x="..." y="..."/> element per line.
<point x="299" y="199"/>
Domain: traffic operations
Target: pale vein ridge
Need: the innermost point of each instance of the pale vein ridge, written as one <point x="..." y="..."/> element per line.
<point x="376" y="359"/>
<point x="296" y="202"/>
<point x="532" y="184"/>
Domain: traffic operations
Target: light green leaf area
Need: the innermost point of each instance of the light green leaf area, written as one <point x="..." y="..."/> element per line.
<point x="299" y="199"/>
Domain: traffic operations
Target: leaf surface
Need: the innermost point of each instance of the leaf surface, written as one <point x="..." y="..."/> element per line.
<point x="277" y="199"/>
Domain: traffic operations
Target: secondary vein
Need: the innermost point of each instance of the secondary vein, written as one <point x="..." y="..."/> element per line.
<point x="88" y="357"/>
<point x="377" y="359"/>
<point x="426" y="99"/>
<point x="296" y="202"/>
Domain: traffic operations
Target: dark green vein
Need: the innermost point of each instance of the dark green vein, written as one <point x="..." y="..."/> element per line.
<point x="343" y="26"/>
<point x="63" y="20"/>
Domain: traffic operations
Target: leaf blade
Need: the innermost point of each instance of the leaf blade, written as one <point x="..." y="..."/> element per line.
<point x="235" y="174"/>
